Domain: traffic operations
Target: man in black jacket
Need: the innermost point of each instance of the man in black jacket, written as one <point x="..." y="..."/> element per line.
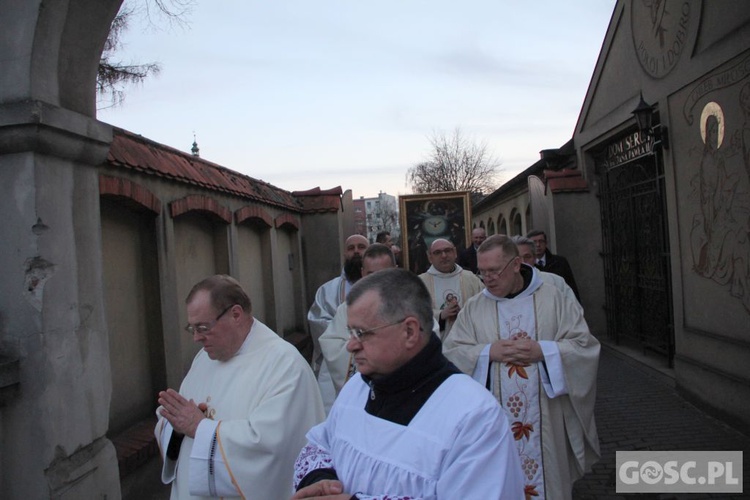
<point x="551" y="263"/>
<point x="467" y="259"/>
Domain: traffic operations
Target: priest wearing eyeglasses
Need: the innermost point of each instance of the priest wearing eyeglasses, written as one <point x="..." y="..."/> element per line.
<point x="235" y="426"/>
<point x="408" y="424"/>
<point x="527" y="341"/>
<point x="450" y="285"/>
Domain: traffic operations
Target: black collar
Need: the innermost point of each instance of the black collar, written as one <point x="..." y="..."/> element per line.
<point x="526" y="273"/>
<point x="398" y="396"/>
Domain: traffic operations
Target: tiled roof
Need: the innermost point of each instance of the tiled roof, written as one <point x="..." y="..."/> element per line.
<point x="565" y="180"/>
<point x="320" y="200"/>
<point x="337" y="191"/>
<point x="135" y="152"/>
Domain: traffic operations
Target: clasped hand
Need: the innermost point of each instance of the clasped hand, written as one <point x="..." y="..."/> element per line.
<point x="520" y="351"/>
<point x="183" y="414"/>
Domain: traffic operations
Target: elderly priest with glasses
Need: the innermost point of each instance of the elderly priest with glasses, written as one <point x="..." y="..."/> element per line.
<point x="527" y="341"/>
<point x="240" y="417"/>
<point x="408" y="425"/>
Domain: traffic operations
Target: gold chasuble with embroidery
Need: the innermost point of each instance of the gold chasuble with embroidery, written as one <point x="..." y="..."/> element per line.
<point x="550" y="404"/>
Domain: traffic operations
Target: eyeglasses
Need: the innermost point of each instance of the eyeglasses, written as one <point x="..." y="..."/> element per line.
<point x="444" y="251"/>
<point x="494" y="273"/>
<point x="204" y="328"/>
<point x="360" y="335"/>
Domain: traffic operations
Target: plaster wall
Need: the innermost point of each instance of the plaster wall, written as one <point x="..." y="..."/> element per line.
<point x="131" y="285"/>
<point x="288" y="284"/>
<point x="322" y="242"/>
<point x="254" y="261"/>
<point x="195" y="259"/>
<point x="577" y="229"/>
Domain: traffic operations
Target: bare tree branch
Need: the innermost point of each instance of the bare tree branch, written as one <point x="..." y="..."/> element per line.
<point x="455" y="164"/>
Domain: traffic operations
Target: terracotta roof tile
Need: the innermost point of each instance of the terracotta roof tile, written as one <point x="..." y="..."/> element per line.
<point x="565" y="180"/>
<point x="135" y="152"/>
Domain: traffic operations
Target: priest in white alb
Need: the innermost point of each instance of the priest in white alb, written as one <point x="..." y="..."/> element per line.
<point x="528" y="343"/>
<point x="243" y="409"/>
<point x="329" y="296"/>
<point x="333" y="342"/>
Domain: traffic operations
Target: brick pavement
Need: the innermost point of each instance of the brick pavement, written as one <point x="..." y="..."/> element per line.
<point x="640" y="410"/>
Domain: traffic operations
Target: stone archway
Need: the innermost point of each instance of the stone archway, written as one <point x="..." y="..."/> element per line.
<point x="54" y="399"/>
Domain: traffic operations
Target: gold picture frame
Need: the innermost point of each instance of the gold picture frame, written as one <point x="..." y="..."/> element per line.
<point x="427" y="217"/>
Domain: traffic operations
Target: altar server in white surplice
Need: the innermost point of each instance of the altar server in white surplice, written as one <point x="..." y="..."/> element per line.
<point x="240" y="417"/>
<point x="526" y="340"/>
<point x="408" y="425"/>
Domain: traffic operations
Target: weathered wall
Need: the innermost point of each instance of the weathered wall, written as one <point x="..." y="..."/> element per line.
<point x="133" y="312"/>
<point x="53" y="323"/>
<point x="322" y="242"/>
<point x="195" y="258"/>
<point x="288" y="283"/>
<point x="254" y="265"/>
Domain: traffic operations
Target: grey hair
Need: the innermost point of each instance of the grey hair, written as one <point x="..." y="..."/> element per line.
<point x="522" y="240"/>
<point x="401" y="293"/>
<point x="499" y="241"/>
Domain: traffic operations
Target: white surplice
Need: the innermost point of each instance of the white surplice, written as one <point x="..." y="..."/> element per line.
<point x="457" y="446"/>
<point x="261" y="402"/>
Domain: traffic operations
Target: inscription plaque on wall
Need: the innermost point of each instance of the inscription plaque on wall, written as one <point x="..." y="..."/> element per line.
<point x="628" y="148"/>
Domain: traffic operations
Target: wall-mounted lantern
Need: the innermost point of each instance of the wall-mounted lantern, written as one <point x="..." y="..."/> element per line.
<point x="644" y="117"/>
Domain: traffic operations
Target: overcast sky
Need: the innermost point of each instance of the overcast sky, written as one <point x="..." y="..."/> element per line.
<point x="306" y="93"/>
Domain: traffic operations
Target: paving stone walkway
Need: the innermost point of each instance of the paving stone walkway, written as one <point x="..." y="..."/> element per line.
<point x="640" y="410"/>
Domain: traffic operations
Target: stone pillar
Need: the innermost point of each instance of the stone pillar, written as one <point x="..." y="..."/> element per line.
<point x="55" y="385"/>
<point x="51" y="305"/>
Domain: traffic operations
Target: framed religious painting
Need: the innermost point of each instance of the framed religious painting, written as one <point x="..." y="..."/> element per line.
<point x="427" y="217"/>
